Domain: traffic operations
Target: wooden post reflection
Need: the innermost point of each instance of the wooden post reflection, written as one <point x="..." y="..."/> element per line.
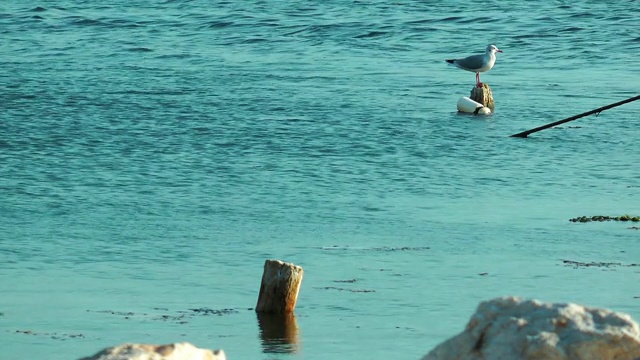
<point x="278" y="333"/>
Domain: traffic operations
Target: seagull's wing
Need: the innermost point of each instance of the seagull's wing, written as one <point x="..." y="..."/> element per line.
<point x="471" y="63"/>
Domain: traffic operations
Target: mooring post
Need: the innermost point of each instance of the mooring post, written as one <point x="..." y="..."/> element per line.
<point x="483" y="96"/>
<point x="279" y="288"/>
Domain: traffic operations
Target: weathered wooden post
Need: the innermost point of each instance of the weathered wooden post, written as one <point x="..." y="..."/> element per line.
<point x="278" y="296"/>
<point x="279" y="288"/>
<point x="483" y="96"/>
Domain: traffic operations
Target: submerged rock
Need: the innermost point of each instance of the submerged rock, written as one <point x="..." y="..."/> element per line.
<point x="178" y="351"/>
<point x="512" y="328"/>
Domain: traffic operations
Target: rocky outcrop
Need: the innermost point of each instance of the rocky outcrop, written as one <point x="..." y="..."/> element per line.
<point x="512" y="328"/>
<point x="178" y="351"/>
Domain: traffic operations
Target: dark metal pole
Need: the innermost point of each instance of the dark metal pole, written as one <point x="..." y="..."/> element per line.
<point x="524" y="134"/>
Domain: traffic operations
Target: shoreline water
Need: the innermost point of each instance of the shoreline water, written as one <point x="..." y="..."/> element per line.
<point x="153" y="155"/>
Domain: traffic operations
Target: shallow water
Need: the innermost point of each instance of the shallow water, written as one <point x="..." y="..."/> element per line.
<point x="153" y="155"/>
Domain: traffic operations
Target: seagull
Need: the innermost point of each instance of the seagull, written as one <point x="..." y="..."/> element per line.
<point x="478" y="63"/>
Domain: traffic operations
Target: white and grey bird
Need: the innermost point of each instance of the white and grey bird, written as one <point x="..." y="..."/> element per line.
<point x="477" y="63"/>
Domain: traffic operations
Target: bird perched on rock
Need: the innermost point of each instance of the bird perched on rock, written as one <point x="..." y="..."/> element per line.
<point x="478" y="63"/>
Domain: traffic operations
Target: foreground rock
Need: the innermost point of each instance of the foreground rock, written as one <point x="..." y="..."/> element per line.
<point x="178" y="351"/>
<point x="512" y="328"/>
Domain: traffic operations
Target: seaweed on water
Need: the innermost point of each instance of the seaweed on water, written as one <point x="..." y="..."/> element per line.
<point x="345" y="289"/>
<point x="180" y="317"/>
<point x="600" y="218"/>
<point x="218" y="312"/>
<point x="580" y="264"/>
<point x="381" y="248"/>
<point x="53" y="335"/>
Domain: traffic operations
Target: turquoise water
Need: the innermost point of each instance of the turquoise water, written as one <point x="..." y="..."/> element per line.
<point x="154" y="154"/>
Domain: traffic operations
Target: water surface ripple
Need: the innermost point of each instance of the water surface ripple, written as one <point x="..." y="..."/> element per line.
<point x="154" y="154"/>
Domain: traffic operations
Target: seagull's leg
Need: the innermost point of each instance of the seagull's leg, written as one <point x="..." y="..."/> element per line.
<point x="478" y="83"/>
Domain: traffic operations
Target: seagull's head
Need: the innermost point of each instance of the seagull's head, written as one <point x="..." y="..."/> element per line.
<point x="493" y="49"/>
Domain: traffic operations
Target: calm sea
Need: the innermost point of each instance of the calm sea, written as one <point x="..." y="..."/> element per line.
<point x="153" y="154"/>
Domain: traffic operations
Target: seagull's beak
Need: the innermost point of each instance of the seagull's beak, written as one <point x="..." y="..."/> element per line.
<point x="498" y="50"/>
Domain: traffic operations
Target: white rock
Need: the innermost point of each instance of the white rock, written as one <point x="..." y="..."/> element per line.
<point x="512" y="328"/>
<point x="178" y="351"/>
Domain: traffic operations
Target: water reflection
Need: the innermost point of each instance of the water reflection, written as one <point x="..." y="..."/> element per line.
<point x="278" y="333"/>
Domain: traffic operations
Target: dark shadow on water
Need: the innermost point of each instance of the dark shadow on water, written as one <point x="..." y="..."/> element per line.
<point x="278" y="333"/>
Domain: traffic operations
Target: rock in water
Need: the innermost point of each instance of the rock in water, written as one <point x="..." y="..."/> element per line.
<point x="178" y="351"/>
<point x="512" y="328"/>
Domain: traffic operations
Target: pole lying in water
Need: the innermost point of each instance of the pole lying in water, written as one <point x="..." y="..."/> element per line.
<point x="524" y="134"/>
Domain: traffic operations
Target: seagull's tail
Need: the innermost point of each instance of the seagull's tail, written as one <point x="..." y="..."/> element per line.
<point x="450" y="61"/>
